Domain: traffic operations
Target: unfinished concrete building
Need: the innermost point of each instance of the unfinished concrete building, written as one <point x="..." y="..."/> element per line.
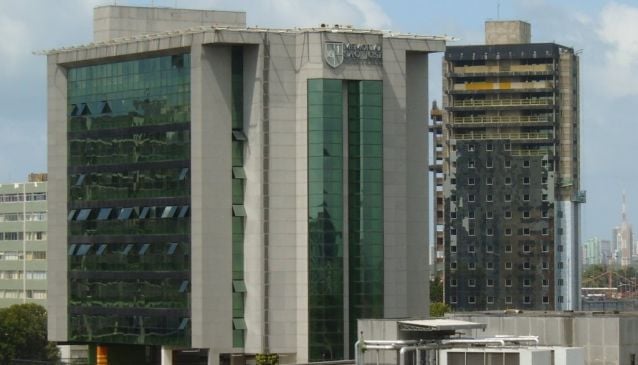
<point x="436" y="168"/>
<point x="509" y="172"/>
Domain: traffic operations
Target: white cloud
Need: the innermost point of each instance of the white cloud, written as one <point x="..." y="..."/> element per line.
<point x="15" y="45"/>
<point x="618" y="30"/>
<point x="289" y="13"/>
<point x="373" y="14"/>
<point x="303" y="13"/>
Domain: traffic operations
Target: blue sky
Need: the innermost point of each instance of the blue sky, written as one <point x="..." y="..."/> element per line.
<point x="605" y="31"/>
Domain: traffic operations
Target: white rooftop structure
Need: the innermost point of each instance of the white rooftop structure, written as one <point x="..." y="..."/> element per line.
<point x="439" y="325"/>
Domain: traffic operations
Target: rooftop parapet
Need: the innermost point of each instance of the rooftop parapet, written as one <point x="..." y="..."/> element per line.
<point x="114" y="21"/>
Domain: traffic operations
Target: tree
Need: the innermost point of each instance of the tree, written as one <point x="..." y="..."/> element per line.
<point x="593" y="278"/>
<point x="438" y="309"/>
<point x="436" y="290"/>
<point x="23" y="334"/>
<point x="597" y="276"/>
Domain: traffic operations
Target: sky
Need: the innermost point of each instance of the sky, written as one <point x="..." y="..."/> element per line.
<point x="604" y="32"/>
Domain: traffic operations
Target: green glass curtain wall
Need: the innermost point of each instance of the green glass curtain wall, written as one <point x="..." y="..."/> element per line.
<point x="365" y="201"/>
<point x="129" y="201"/>
<point x="363" y="172"/>
<point x="325" y="225"/>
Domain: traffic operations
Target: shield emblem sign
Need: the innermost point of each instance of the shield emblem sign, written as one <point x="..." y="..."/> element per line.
<point x="333" y="53"/>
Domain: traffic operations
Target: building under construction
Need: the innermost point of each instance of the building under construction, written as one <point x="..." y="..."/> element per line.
<point x="507" y="191"/>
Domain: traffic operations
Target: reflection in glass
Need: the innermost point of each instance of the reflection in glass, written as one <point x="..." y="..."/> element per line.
<point x="129" y="190"/>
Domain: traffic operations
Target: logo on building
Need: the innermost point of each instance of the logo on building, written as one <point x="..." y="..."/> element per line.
<point x="333" y="53"/>
<point x="336" y="53"/>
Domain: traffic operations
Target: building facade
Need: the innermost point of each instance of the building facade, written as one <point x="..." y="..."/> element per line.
<point x="510" y="165"/>
<point x="23" y="240"/>
<point x="436" y="170"/>
<point x="235" y="190"/>
<point x="593" y="252"/>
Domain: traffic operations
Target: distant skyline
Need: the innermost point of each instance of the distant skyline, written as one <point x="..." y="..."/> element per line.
<point x="605" y="31"/>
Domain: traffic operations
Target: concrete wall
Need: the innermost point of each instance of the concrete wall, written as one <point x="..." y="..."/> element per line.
<point x="286" y="279"/>
<point x="211" y="295"/>
<point x="606" y="339"/>
<point x="379" y="330"/>
<point x="569" y="356"/>
<point x="507" y="32"/>
<point x="253" y="233"/>
<point x="405" y="184"/>
<point x="57" y="286"/>
<point x="110" y="22"/>
<point x="628" y="340"/>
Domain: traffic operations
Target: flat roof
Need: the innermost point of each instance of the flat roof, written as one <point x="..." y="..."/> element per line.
<point x="439" y="325"/>
<point x="213" y="28"/>
<point x="504" y="51"/>
<point x="565" y="314"/>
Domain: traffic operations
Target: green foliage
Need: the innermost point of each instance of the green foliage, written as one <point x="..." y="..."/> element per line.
<point x="267" y="359"/>
<point x="597" y="276"/>
<point x="593" y="278"/>
<point x="436" y="290"/>
<point x="23" y="334"/>
<point x="438" y="309"/>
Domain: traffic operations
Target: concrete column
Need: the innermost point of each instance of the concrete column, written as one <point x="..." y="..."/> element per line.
<point x="211" y="191"/>
<point x="57" y="201"/>
<point x="416" y="114"/>
<point x="167" y="356"/>
<point x="213" y="358"/>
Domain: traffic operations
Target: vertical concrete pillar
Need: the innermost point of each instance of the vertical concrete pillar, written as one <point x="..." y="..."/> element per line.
<point x="57" y="202"/>
<point x="167" y="356"/>
<point x="213" y="358"/>
<point x="211" y="212"/>
<point x="416" y="294"/>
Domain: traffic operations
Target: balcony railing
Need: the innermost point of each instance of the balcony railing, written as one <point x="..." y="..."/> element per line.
<point x="510" y="136"/>
<point x="524" y="153"/>
<point x="503" y="102"/>
<point x="469" y="70"/>
<point x="503" y="86"/>
<point x="523" y="119"/>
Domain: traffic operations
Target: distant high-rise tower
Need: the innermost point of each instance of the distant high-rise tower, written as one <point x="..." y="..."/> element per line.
<point x="623" y="235"/>
<point x="593" y="252"/>
<point x="511" y="177"/>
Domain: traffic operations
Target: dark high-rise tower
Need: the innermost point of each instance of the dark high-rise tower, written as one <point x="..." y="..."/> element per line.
<point x="510" y="165"/>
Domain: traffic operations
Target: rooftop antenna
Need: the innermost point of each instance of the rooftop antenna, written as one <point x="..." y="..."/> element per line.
<point x="498" y="9"/>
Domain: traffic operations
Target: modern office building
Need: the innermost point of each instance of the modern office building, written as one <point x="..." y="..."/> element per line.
<point x="510" y="165"/>
<point x="234" y="190"/>
<point x="23" y="241"/>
